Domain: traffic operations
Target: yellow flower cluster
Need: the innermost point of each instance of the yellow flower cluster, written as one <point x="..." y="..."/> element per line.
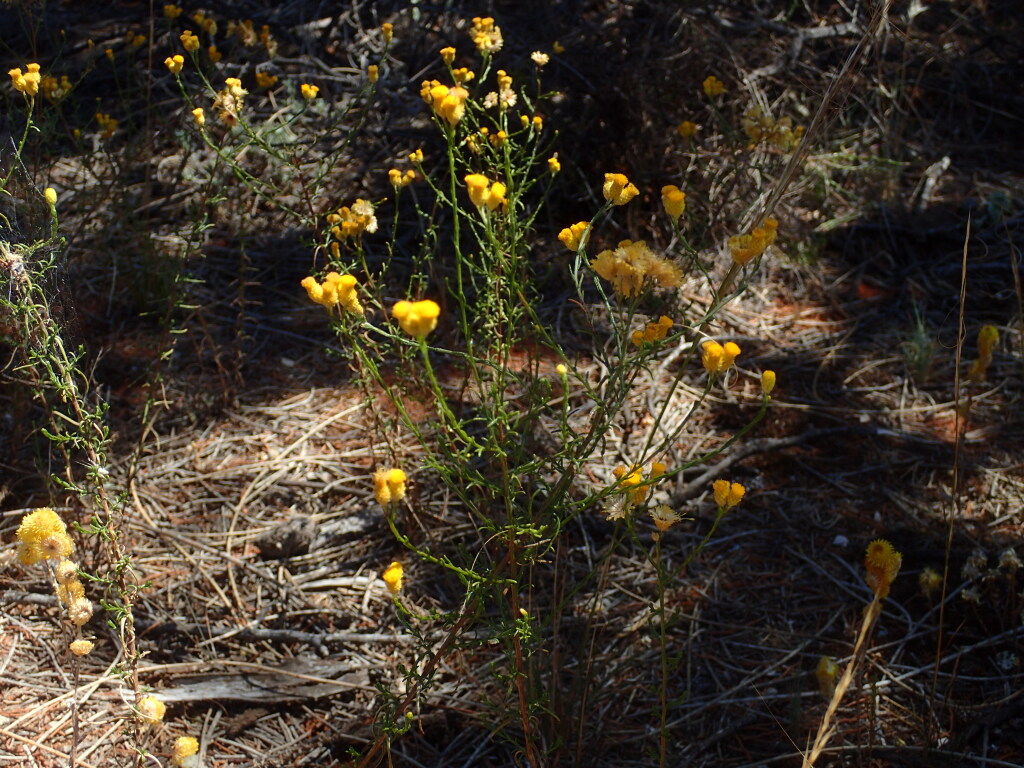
<point x="55" y="90"/>
<point x="617" y="189"/>
<point x="632" y="264"/>
<point x="448" y="103"/>
<point x="635" y="486"/>
<point x="486" y="35"/>
<point x="988" y="338"/>
<point x="175" y="63"/>
<point x="309" y="92"/>
<point x="448" y="55"/>
<point x="463" y="75"/>
<point x="387" y="30"/>
<point x="42" y="535"/>
<point x="717" y="358"/>
<point x="554" y="166"/>
<point x="504" y="97"/>
<point x="189" y="41"/>
<point x="393" y="577"/>
<point x="352" y="222"/>
<point x="779" y="133"/>
<point x="882" y="562"/>
<point x="417" y="318"/>
<point x="673" y="200"/>
<point x="483" y="193"/>
<point x="335" y="291"/>
<point x="572" y="237"/>
<point x="151" y="710"/>
<point x="27" y="83"/>
<point x="747" y="247"/>
<point x="388" y="486"/>
<point x="727" y="495"/>
<point x="229" y="102"/>
<point x="265" y="79"/>
<point x="373" y="73"/>
<point x="713" y="86"/>
<point x="107" y="123"/>
<point x="399" y="180"/>
<point x="206" y="23"/>
<point x="687" y="130"/>
<point x="664" y="517"/>
<point x="172" y="11"/>
<point x="184" y="753"/>
<point x="653" y="332"/>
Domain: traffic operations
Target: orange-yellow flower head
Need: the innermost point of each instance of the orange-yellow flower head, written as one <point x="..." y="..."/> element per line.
<point x="617" y="189"/>
<point x="417" y="318"/>
<point x="882" y="562"/>
<point x="687" y="130"/>
<point x="988" y="339"/>
<point x="388" y="486"/>
<point x="713" y="86"/>
<point x="633" y="264"/>
<point x="309" y="92"/>
<point x="673" y="200"/>
<point x="393" y="577"/>
<point x="335" y="291"/>
<point x="81" y="647"/>
<point x="767" y="382"/>
<point x="652" y="332"/>
<point x="744" y="248"/>
<point x="189" y="41"/>
<point x="718" y="358"/>
<point x="486" y="35"/>
<point x="728" y="495"/>
<point x="152" y="710"/>
<point x="27" y="83"/>
<point x="448" y="103"/>
<point x="573" y="237"/>
<point x="387" y="30"/>
<point x="484" y="194"/>
<point x="175" y="63"/>
<point x="664" y="517"/>
<point x="185" y="749"/>
<point x="448" y="55"/>
<point x="42" y="535"/>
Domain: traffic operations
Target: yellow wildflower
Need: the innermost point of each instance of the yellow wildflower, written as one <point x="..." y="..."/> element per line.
<point x="109" y="53"/>
<point x="200" y="116"/>
<point x="653" y="332"/>
<point x="373" y="73"/>
<point x="484" y="194"/>
<point x="988" y="338"/>
<point x="572" y="237"/>
<point x="717" y="358"/>
<point x="538" y="123"/>
<point x="882" y="563"/>
<point x="265" y="79"/>
<point x="747" y="247"/>
<point x="27" y="83"/>
<point x="309" y="92"/>
<point x="553" y="165"/>
<point x="539" y="58"/>
<point x="400" y="180"/>
<point x="448" y="55"/>
<point x="561" y="370"/>
<point x="53" y="89"/>
<point x="632" y="264"/>
<point x="185" y="749"/>
<point x="80" y="611"/>
<point x="664" y="517"/>
<point x="498" y="138"/>
<point x="107" y="123"/>
<point x="417" y="318"/>
<point x="617" y="189"/>
<point x="631" y="482"/>
<point x="728" y="495"/>
<point x="152" y="710"/>
<point x="687" y="130"/>
<point x="393" y="577"/>
<point x="175" y="63"/>
<point x="81" y="647"/>
<point x="673" y="200"/>
<point x="335" y="291"/>
<point x="353" y="222"/>
<point x="486" y="35"/>
<point x="713" y="86"/>
<point x="387" y="30"/>
<point x="767" y="382"/>
<point x="189" y="41"/>
<point x="65" y="572"/>
<point x="69" y="591"/>
<point x="50" y="195"/>
<point x="388" y="486"/>
<point x="463" y="75"/>
<point x="42" y="535"/>
<point x="557" y="47"/>
<point x="213" y="54"/>
<point x="416" y="157"/>
<point x="172" y="11"/>
<point x="448" y="103"/>
<point x="268" y="42"/>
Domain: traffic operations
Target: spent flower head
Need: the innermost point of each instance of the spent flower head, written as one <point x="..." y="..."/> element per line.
<point x="633" y="264"/>
<point x="486" y="35"/>
<point x="882" y="562"/>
